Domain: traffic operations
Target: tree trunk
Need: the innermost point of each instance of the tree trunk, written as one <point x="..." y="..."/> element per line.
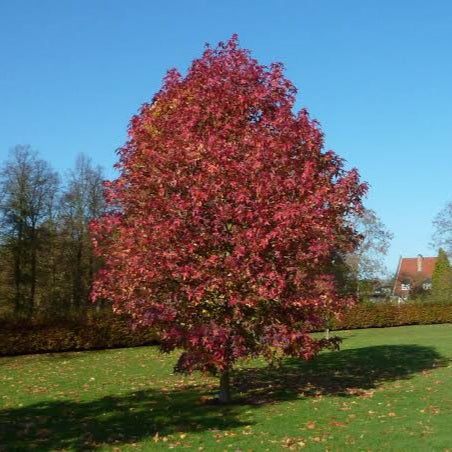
<point x="224" y="395"/>
<point x="33" y="268"/>
<point x="77" y="288"/>
<point x="18" y="270"/>
<point x="17" y="281"/>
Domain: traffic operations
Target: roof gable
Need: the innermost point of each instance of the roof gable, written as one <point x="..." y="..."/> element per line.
<point x="409" y="266"/>
<point x="413" y="271"/>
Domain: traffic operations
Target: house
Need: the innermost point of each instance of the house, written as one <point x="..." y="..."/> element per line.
<point x="381" y="293"/>
<point x="414" y="274"/>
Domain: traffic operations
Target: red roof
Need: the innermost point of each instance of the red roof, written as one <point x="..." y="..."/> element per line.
<point x="413" y="270"/>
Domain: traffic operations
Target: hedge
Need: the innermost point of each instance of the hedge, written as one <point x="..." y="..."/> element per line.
<point x="385" y="315"/>
<point x="106" y="330"/>
<point x="87" y="332"/>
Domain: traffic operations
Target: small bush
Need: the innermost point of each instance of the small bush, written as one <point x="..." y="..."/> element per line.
<point x="83" y="332"/>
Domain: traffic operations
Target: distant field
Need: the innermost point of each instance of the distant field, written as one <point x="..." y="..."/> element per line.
<point x="387" y="389"/>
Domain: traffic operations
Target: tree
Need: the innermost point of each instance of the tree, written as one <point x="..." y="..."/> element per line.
<point x="28" y="186"/>
<point x="81" y="202"/>
<point x="366" y="262"/>
<point x="442" y="236"/>
<point x="442" y="279"/>
<point x="224" y="217"/>
<point x="376" y="239"/>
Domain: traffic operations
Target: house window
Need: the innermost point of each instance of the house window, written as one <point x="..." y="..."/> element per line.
<point x="405" y="286"/>
<point x="427" y="285"/>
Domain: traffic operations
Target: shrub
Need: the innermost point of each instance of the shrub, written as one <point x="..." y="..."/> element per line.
<point x="105" y="330"/>
<point x="385" y="315"/>
<point x="82" y="332"/>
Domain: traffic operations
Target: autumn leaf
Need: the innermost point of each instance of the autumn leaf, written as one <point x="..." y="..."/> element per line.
<point x="336" y="424"/>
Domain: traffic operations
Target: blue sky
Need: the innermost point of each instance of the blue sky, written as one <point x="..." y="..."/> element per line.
<point x="376" y="74"/>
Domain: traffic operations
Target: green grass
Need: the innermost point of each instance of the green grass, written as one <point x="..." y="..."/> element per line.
<point x="387" y="389"/>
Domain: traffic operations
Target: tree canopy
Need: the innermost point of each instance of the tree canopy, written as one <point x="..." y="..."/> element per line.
<point x="225" y="216"/>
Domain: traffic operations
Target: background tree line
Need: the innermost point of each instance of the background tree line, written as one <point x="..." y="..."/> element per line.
<point x="46" y="258"/>
<point x="47" y="262"/>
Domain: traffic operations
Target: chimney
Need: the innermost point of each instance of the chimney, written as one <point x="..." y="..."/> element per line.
<point x="419" y="262"/>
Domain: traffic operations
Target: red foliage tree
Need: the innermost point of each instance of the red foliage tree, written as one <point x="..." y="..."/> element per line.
<point x="225" y="217"/>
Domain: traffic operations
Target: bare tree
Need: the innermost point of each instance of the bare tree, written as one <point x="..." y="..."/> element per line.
<point x="29" y="187"/>
<point x="81" y="202"/>
<point x="366" y="263"/>
<point x="442" y="224"/>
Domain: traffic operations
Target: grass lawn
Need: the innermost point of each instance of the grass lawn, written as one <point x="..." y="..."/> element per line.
<point x="387" y="389"/>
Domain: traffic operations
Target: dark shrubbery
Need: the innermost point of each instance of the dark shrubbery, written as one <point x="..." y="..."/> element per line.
<point x="383" y="315"/>
<point x="84" y="332"/>
<point x="106" y="330"/>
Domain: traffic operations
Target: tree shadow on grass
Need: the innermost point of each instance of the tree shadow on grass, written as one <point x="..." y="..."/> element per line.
<point x="112" y="420"/>
<point x="133" y="417"/>
<point x="345" y="373"/>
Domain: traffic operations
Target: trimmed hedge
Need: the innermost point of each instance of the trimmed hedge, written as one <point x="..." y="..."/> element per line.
<point x="106" y="330"/>
<point x="88" y="332"/>
<point x="385" y="315"/>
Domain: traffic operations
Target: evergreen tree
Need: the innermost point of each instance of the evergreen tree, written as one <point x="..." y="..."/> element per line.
<point x="442" y="279"/>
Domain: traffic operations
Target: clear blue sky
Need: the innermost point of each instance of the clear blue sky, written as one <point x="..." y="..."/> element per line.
<point x="376" y="74"/>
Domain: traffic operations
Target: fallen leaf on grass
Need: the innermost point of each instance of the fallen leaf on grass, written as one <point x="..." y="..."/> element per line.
<point x="293" y="443"/>
<point x="336" y="424"/>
